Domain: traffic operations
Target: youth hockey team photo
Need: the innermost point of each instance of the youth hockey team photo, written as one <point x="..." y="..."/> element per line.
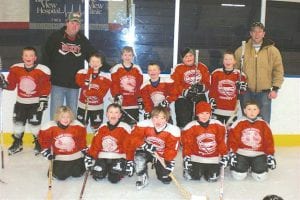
<point x="137" y="99"/>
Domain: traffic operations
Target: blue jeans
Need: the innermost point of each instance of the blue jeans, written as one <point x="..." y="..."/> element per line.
<point x="61" y="95"/>
<point x="263" y="101"/>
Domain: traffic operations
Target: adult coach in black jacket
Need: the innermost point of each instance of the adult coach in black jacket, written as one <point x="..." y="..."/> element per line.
<point x="64" y="53"/>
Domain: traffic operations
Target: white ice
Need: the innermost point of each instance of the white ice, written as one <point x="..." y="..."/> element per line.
<point x="25" y="177"/>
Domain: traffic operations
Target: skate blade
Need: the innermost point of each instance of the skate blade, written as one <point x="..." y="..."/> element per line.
<point x="139" y="187"/>
<point x="11" y="153"/>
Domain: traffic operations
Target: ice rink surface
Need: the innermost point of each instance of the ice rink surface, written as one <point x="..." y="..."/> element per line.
<point x="25" y="177"/>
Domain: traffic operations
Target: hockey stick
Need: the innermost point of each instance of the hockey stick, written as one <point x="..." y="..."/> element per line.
<point x="87" y="101"/>
<point x="186" y="194"/>
<point x="86" y="175"/>
<point x="234" y="114"/>
<point x="50" y="172"/>
<point x="222" y="171"/>
<point x="1" y="121"/>
<point x="195" y="81"/>
<point x="124" y="111"/>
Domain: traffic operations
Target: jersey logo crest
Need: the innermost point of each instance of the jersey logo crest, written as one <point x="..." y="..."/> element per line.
<point x="128" y="83"/>
<point x="227" y="89"/>
<point x="27" y="86"/>
<point x="206" y="143"/>
<point x="157" y="142"/>
<point x="192" y="76"/>
<point x="109" y="144"/>
<point x="157" y="97"/>
<point x="64" y="142"/>
<point x="251" y="138"/>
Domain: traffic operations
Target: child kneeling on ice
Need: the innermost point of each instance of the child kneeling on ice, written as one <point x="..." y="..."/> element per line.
<point x="106" y="156"/>
<point x="64" y="141"/>
<point x="251" y="144"/>
<point x="149" y="139"/>
<point x="204" y="148"/>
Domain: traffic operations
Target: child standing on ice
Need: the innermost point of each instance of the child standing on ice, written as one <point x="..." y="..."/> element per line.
<point x="33" y="85"/>
<point x="127" y="79"/>
<point x="226" y="84"/>
<point x="94" y="86"/>
<point x="155" y="90"/>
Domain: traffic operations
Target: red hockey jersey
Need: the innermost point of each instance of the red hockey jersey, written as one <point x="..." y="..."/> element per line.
<point x="110" y="143"/>
<point x="66" y="143"/>
<point x="223" y="90"/>
<point x="127" y="84"/>
<point x="99" y="87"/>
<point x="30" y="84"/>
<point x="152" y="96"/>
<point x="204" y="144"/>
<point x="166" y="141"/>
<point x="184" y="76"/>
<point x="251" y="138"/>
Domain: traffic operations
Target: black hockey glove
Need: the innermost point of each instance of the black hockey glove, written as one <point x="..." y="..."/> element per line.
<point x="140" y="103"/>
<point x="224" y="160"/>
<point x="271" y="162"/>
<point x="170" y="165"/>
<point x="164" y="103"/>
<point x="3" y="82"/>
<point x="129" y="168"/>
<point x="187" y="163"/>
<point x="149" y="147"/>
<point x="198" y="88"/>
<point x="89" y="162"/>
<point x="147" y="115"/>
<point x="241" y="86"/>
<point x="118" y="99"/>
<point x="233" y="159"/>
<point x="212" y="103"/>
<point x="43" y="103"/>
<point x="47" y="154"/>
<point x="188" y="93"/>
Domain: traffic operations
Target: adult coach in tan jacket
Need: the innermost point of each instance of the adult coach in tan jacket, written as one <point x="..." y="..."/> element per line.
<point x="263" y="68"/>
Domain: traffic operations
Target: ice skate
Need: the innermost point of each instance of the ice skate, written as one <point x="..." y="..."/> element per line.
<point x="186" y="175"/>
<point x="16" y="147"/>
<point x="37" y="147"/>
<point x="142" y="181"/>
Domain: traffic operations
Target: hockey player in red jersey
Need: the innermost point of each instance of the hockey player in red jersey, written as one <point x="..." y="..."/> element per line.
<point x="251" y="144"/>
<point x="64" y="140"/>
<point x="107" y="154"/>
<point x="152" y="136"/>
<point x="127" y="79"/>
<point x="204" y="148"/>
<point x="33" y="87"/>
<point x="155" y="90"/>
<point x="94" y="86"/>
<point x="227" y="84"/>
<point x="190" y="84"/>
